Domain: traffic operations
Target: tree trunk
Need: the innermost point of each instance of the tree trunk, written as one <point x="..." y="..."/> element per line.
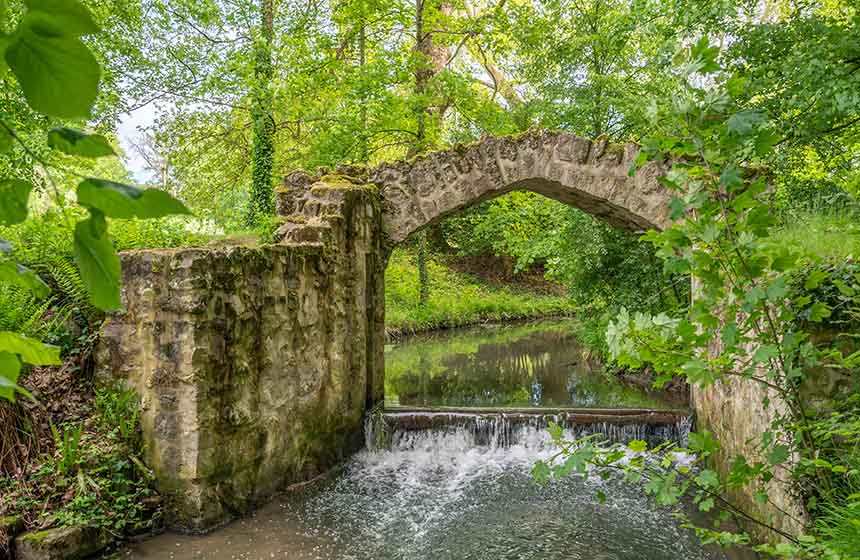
<point x="423" y="43"/>
<point x="432" y="60"/>
<point x="362" y="61"/>
<point x="262" y="201"/>
<point x="423" y="280"/>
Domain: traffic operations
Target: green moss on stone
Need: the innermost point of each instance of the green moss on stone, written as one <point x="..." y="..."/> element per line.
<point x="337" y="179"/>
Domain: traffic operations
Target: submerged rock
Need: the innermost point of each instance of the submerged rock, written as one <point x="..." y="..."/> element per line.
<point x="65" y="543"/>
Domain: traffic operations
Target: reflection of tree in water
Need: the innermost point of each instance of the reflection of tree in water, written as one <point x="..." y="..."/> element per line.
<point x="580" y="395"/>
<point x="514" y="366"/>
<point x="509" y="372"/>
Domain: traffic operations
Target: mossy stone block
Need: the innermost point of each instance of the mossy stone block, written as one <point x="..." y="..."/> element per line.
<point x="65" y="543"/>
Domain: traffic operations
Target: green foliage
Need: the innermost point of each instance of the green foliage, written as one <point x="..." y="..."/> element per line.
<point x="591" y="333"/>
<point x="92" y="479"/>
<point x="115" y="200"/>
<point x="59" y="77"/>
<point x="76" y="143"/>
<point x="68" y="444"/>
<point x="118" y="411"/>
<point x="99" y="263"/>
<point x="22" y="312"/>
<point x="829" y="235"/>
<point x="603" y="267"/>
<point x="154" y="234"/>
<point x="454" y="299"/>
<point x="764" y="300"/>
<point x="68" y="285"/>
<point x="14" y="194"/>
<point x="839" y="524"/>
<point x="16" y="275"/>
<point x="57" y="72"/>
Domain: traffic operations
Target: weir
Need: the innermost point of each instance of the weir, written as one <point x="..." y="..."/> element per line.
<point x="455" y="486"/>
<point x="405" y="429"/>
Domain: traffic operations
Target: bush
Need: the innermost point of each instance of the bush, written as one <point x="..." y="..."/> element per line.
<point x="93" y="476"/>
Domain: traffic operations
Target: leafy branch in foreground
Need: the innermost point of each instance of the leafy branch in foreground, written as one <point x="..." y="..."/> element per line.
<point x="59" y="77"/>
<point x="754" y="314"/>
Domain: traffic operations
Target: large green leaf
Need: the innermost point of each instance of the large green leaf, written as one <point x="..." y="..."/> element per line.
<point x="10" y="368"/>
<point x="743" y="122"/>
<point x="59" y="74"/>
<point x="14" y="195"/>
<point x="31" y="350"/>
<point x="60" y="17"/>
<point x="779" y="454"/>
<point x="19" y="275"/>
<point x="708" y="479"/>
<point x="117" y="200"/>
<point x="703" y="442"/>
<point x="98" y="261"/>
<point x="77" y="143"/>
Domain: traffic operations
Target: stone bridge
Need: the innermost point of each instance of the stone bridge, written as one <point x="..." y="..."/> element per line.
<point x="255" y="365"/>
<point x="592" y="176"/>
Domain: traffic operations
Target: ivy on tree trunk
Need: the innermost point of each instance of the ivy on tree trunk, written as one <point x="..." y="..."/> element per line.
<point x="262" y="199"/>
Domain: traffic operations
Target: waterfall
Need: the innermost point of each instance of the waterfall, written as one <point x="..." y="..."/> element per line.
<point x="405" y="430"/>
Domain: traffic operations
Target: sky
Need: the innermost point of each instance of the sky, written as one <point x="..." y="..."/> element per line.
<point x="128" y="129"/>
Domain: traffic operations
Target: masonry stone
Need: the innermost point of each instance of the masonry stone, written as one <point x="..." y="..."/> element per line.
<point x="255" y="365"/>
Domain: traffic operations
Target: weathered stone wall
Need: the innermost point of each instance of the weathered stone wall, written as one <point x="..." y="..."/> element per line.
<point x="251" y="362"/>
<point x="732" y="411"/>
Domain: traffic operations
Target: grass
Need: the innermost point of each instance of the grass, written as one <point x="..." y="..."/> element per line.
<point x="455" y="299"/>
<point x="827" y="235"/>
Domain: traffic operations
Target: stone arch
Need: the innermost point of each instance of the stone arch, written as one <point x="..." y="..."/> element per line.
<point x="255" y="365"/>
<point x="592" y="176"/>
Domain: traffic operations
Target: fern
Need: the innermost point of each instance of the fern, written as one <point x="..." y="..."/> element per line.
<point x="46" y="319"/>
<point x="68" y="285"/>
<point x="21" y="312"/>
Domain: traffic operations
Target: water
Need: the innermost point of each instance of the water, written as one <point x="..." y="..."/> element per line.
<point x="436" y="495"/>
<point x="449" y="485"/>
<point x="527" y="365"/>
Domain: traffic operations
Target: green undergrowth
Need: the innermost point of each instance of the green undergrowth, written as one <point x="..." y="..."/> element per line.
<point x="89" y="473"/>
<point x="456" y="299"/>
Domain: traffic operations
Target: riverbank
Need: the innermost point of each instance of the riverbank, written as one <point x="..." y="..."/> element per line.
<point x="457" y="299"/>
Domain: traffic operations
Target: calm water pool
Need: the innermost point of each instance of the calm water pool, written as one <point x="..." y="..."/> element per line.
<point x="535" y="364"/>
